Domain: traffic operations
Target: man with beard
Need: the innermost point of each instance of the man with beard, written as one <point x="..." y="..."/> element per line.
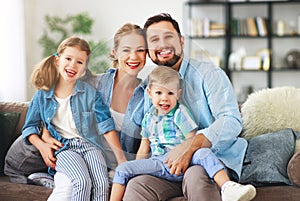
<point x="209" y="95"/>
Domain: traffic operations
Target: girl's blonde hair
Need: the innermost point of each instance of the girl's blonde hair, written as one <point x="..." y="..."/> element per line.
<point x="45" y="74"/>
<point x="162" y="75"/>
<point x="126" y="29"/>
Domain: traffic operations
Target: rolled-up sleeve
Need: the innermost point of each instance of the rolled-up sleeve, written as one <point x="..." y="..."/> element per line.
<point x="33" y="121"/>
<point x="105" y="122"/>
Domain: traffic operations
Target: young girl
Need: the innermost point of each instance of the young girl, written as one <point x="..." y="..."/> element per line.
<point x="74" y="114"/>
<point x="166" y="125"/>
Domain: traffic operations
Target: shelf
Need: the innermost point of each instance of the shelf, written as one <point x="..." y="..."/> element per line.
<point x="285" y="36"/>
<point x="278" y="45"/>
<point x="249" y="37"/>
<point x="249" y="71"/>
<point x="286" y="69"/>
<point x="203" y="37"/>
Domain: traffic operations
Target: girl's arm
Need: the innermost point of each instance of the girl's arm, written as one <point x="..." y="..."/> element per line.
<point x="144" y="150"/>
<point x="114" y="142"/>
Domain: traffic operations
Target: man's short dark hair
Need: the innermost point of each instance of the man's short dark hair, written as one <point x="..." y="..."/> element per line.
<point x="162" y="17"/>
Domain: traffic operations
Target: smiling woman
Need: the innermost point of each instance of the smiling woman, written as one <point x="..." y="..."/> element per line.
<point x="13" y="52"/>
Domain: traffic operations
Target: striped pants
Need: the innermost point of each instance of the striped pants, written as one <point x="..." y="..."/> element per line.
<point x="85" y="166"/>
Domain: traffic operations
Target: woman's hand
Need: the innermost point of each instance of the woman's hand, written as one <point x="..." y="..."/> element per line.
<point x="47" y="153"/>
<point x="50" y="146"/>
<point x="47" y="138"/>
<point x="44" y="148"/>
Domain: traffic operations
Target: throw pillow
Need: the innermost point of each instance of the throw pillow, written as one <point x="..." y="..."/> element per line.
<point x="293" y="169"/>
<point x="22" y="160"/>
<point x="271" y="110"/>
<point x="8" y="123"/>
<point x="267" y="158"/>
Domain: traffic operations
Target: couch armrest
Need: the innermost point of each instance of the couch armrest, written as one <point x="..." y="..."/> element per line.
<point x="293" y="169"/>
<point x="20" y="107"/>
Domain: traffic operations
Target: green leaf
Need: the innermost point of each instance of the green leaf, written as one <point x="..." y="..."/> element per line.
<point x="59" y="28"/>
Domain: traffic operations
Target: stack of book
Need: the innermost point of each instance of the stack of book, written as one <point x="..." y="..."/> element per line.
<point x="252" y="26"/>
<point x="204" y="27"/>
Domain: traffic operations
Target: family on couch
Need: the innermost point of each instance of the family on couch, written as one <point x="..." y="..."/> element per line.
<point x="207" y="92"/>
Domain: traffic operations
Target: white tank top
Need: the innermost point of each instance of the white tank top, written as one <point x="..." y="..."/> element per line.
<point x="118" y="118"/>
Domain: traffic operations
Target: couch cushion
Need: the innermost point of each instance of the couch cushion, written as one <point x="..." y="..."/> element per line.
<point x="271" y="110"/>
<point x="267" y="158"/>
<point x="23" y="192"/>
<point x="22" y="160"/>
<point x="8" y="122"/>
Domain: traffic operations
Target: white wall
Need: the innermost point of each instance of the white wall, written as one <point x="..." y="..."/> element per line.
<point x="12" y="57"/>
<point x="109" y="15"/>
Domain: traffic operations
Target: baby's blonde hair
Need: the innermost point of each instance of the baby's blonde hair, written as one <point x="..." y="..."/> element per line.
<point x="45" y="74"/>
<point x="162" y="75"/>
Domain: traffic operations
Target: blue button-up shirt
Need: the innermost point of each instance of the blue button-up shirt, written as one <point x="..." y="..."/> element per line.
<point x="209" y="95"/>
<point x="130" y="136"/>
<point x="92" y="117"/>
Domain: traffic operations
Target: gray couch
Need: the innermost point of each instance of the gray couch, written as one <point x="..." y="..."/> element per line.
<point x="12" y="119"/>
<point x="21" y="192"/>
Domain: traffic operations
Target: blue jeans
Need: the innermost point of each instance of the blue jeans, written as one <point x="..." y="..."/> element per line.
<point x="155" y="166"/>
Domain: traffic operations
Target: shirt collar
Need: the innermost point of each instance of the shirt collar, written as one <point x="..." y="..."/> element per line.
<point x="79" y="88"/>
<point x="183" y="66"/>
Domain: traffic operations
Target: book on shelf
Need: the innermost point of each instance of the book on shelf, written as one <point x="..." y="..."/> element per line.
<point x="251" y="63"/>
<point x="261" y="26"/>
<point x="251" y="27"/>
<point x="204" y="27"/>
<point x="217" y="29"/>
<point x="267" y="0"/>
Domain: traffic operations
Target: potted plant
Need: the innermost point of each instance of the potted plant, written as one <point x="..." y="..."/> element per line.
<point x="59" y="28"/>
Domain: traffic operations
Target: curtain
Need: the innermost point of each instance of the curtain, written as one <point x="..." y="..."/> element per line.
<point x="12" y="55"/>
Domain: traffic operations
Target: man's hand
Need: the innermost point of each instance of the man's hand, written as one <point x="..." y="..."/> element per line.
<point x="178" y="159"/>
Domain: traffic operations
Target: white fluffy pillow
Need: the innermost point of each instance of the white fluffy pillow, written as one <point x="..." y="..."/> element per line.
<point x="271" y="110"/>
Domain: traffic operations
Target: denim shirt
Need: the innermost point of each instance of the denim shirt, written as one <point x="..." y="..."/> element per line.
<point x="130" y="136"/>
<point x="209" y="95"/>
<point x="92" y="118"/>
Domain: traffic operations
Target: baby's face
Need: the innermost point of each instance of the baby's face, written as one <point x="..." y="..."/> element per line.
<point x="164" y="97"/>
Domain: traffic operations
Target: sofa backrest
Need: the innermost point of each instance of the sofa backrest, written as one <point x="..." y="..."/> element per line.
<point x="19" y="107"/>
<point x="12" y="119"/>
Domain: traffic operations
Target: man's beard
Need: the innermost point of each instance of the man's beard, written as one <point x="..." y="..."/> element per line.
<point x="169" y="63"/>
